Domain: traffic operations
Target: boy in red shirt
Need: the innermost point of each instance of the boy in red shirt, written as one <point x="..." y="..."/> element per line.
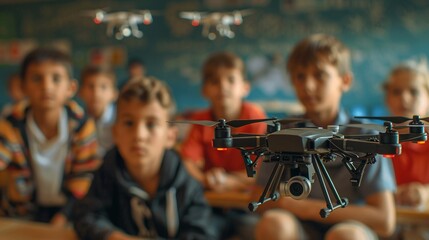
<point x="225" y="87"/>
<point x="407" y="94"/>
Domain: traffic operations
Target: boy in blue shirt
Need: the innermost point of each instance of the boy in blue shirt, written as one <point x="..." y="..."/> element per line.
<point x="142" y="189"/>
<point x="320" y="71"/>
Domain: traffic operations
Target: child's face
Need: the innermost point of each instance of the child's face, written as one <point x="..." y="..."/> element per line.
<point x="136" y="71"/>
<point x="97" y="91"/>
<point x="226" y="89"/>
<point x="48" y="85"/>
<point x="319" y="87"/>
<point x="141" y="133"/>
<point x="406" y="95"/>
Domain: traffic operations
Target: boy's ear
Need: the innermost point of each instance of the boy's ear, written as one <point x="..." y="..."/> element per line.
<point x="172" y="133"/>
<point x="74" y="85"/>
<point x="347" y="82"/>
<point x="246" y="88"/>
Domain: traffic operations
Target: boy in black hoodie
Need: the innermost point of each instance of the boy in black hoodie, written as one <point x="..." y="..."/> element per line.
<point x="142" y="188"/>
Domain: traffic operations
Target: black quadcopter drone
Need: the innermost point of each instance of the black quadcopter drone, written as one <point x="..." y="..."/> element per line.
<point x="299" y="153"/>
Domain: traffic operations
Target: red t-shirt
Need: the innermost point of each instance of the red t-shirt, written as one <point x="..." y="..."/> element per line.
<point x="198" y="144"/>
<point x="413" y="163"/>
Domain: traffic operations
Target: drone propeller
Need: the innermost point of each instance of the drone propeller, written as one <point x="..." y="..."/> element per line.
<point x="380" y="128"/>
<point x="232" y="123"/>
<point x="395" y="119"/>
<point x="289" y="120"/>
<point x="367" y="126"/>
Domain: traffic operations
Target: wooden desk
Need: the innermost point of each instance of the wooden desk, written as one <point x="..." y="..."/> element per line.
<point x="23" y="230"/>
<point x="412" y="216"/>
<point x="228" y="199"/>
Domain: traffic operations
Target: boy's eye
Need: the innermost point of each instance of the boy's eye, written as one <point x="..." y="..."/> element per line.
<point x="414" y="92"/>
<point x="128" y="123"/>
<point x="231" y="79"/>
<point x="151" y="124"/>
<point x="56" y="78"/>
<point x="299" y="77"/>
<point x="321" y="75"/>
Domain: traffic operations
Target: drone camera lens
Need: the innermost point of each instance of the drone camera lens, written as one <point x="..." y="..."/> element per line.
<point x="297" y="187"/>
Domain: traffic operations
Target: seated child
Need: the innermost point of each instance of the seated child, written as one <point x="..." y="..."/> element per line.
<point x="142" y="189"/>
<point x="407" y="94"/>
<point x="48" y="146"/>
<point x="320" y="71"/>
<point x="225" y="87"/>
<point x="98" y="92"/>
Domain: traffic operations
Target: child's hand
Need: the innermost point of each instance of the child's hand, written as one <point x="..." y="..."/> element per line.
<point x="59" y="220"/>
<point x="413" y="194"/>
<point x="216" y="178"/>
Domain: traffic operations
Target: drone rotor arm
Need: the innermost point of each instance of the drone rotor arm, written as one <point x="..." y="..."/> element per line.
<point x="241" y="142"/>
<point x="243" y="122"/>
<point x="410" y="137"/>
<point x="356" y="145"/>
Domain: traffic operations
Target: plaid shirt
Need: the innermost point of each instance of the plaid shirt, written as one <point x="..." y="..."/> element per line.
<point x="17" y="196"/>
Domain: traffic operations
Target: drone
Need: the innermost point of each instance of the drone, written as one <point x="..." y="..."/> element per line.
<point x="300" y="153"/>
<point x="122" y="23"/>
<point x="218" y="21"/>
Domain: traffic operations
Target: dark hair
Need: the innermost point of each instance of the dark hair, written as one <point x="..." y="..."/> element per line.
<point x="146" y="90"/>
<point x="134" y="62"/>
<point x="46" y="54"/>
<point x="92" y="70"/>
<point x="320" y="47"/>
<point x="221" y="59"/>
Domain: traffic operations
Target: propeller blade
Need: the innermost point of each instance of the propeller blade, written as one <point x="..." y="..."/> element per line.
<point x="393" y="119"/>
<point x="367" y="126"/>
<point x="408" y="126"/>
<point x="291" y="120"/>
<point x="425" y="119"/>
<point x="206" y="123"/>
<point x="240" y="123"/>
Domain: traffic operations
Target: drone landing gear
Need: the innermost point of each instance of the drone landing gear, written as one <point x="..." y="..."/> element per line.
<point x="271" y="189"/>
<point x="320" y="169"/>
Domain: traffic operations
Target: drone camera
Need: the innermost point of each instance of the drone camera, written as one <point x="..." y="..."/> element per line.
<point x="297" y="187"/>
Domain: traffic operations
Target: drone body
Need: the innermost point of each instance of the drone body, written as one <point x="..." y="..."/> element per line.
<point x="299" y="153"/>
<point x="122" y="23"/>
<point x="220" y="22"/>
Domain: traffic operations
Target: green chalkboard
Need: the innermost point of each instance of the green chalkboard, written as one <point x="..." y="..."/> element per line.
<point x="380" y="34"/>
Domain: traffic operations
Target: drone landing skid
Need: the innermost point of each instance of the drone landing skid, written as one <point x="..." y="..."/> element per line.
<point x="270" y="191"/>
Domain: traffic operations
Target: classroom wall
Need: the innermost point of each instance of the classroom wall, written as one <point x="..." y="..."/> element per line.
<point x="380" y="33"/>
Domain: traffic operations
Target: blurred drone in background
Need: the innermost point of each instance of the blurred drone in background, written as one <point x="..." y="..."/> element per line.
<point x="121" y="24"/>
<point x="216" y="23"/>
